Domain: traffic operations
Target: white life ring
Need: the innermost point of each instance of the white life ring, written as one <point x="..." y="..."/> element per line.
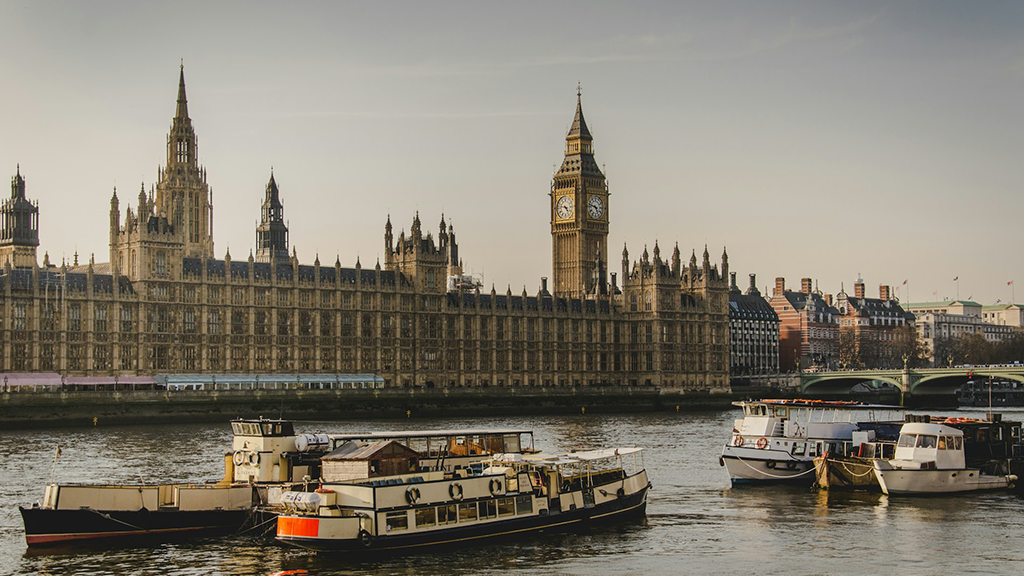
<point x="254" y="458"/>
<point x="238" y="458"/>
<point x="412" y="495"/>
<point x="455" y="491"/>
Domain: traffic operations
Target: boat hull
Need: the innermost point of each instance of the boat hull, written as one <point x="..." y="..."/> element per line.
<point x="48" y="527"/>
<point x="931" y="481"/>
<point x="836" y="472"/>
<point x="621" y="509"/>
<point x="766" y="467"/>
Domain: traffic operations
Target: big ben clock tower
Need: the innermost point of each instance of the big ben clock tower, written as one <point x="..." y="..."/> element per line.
<point x="579" y="214"/>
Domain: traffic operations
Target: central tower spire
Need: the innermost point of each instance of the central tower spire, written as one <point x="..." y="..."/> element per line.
<point x="182" y="195"/>
<point x="182" y="111"/>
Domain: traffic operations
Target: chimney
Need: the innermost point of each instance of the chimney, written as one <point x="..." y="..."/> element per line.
<point x="883" y="292"/>
<point x="780" y="286"/>
<point x="805" y="285"/>
<point x="732" y="281"/>
<point x="614" y="275"/>
<point x="544" y="283"/>
<point x="858" y="289"/>
<point x="828" y="299"/>
<point x="753" y="284"/>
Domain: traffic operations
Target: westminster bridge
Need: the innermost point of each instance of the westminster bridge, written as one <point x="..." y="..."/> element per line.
<point x="910" y="382"/>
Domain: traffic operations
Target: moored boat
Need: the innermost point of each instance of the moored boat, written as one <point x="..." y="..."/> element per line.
<point x="778" y="440"/>
<point x="512" y="495"/>
<point x="930" y="459"/>
<point x="267" y="458"/>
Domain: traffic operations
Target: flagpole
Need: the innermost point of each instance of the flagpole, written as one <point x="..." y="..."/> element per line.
<point x="53" y="470"/>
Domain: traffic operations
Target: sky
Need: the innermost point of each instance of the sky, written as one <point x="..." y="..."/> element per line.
<point x="827" y="140"/>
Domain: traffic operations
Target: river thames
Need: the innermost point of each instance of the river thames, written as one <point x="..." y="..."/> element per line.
<point x="696" y="523"/>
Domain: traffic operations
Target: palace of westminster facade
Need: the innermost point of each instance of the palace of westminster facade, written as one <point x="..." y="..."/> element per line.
<point x="164" y="304"/>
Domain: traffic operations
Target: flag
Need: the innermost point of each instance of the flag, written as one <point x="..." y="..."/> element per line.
<point x="936" y="293"/>
<point x="905" y="282"/>
<point x="956" y="278"/>
<point x="998" y="301"/>
<point x="1010" y="283"/>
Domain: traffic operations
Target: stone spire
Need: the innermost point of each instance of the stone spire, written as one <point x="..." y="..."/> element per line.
<point x="182" y="110"/>
<point x="272" y="233"/>
<point x="579" y="124"/>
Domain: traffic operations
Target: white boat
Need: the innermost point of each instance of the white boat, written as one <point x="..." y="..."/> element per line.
<point x="930" y="460"/>
<point x="777" y="440"/>
<point x="358" y="511"/>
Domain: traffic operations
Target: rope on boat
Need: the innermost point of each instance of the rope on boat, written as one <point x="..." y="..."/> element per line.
<point x="111" y="518"/>
<point x="257" y="526"/>
<point x="813" y="468"/>
<point x="854" y="474"/>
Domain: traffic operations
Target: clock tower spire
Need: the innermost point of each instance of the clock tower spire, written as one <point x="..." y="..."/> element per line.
<point x="579" y="214"/>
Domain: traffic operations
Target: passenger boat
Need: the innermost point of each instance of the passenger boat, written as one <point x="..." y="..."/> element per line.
<point x="267" y="458"/>
<point x="930" y="460"/>
<point x="777" y="440"/>
<point x="357" y="511"/>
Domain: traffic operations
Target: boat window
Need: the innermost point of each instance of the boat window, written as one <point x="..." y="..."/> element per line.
<point x="812" y="448"/>
<point x="959" y="442"/>
<point x="396" y="521"/>
<point x="907" y="440"/>
<point x="779" y="411"/>
<point x="489" y="509"/>
<point x="447" y="514"/>
<point x="467" y="512"/>
<point x="268" y="429"/>
<point x="506" y="507"/>
<point x="926" y="441"/>
<point x="524" y="504"/>
<point x="982" y="435"/>
<point x="512" y="444"/>
<point x="799" y="448"/>
<point x="942" y="442"/>
<point x="425" y="517"/>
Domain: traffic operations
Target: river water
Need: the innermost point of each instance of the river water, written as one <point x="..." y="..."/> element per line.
<point x="696" y="523"/>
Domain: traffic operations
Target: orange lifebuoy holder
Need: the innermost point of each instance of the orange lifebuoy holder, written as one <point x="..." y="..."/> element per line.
<point x="738" y="441"/>
<point x="762" y="443"/>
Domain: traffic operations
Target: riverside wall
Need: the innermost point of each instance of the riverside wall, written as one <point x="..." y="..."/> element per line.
<point x="107" y="407"/>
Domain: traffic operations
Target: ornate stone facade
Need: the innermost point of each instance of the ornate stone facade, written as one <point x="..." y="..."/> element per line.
<point x="164" y="304"/>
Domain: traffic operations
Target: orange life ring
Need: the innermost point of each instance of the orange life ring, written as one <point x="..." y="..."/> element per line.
<point x="762" y="443"/>
<point x="738" y="441"/>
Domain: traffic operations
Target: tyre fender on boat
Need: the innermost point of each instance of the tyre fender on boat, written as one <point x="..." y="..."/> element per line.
<point x="365" y="538"/>
<point x="621" y="492"/>
<point x="455" y="491"/>
<point x="496" y="487"/>
<point x="791" y="465"/>
<point x="770" y="464"/>
<point x="238" y="458"/>
<point x="762" y="443"/>
<point x="412" y="495"/>
<point x="738" y="441"/>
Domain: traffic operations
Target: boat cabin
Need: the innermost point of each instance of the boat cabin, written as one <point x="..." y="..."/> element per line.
<point x="363" y="460"/>
<point x="930" y="446"/>
<point x="825" y="419"/>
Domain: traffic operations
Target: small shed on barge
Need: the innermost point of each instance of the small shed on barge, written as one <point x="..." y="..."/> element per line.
<point x="362" y="460"/>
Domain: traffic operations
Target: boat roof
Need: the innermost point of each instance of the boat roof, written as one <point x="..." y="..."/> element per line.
<point x="428" y="433"/>
<point x="928" y="428"/>
<point x="811" y="403"/>
<point x="569" y="457"/>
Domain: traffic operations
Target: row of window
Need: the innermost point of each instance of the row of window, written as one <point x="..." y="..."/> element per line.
<point x="431" y="516"/>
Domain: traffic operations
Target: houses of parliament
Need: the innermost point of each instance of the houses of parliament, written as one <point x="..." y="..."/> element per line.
<point x="164" y="303"/>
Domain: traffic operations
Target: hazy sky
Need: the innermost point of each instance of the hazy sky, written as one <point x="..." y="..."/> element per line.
<point x="811" y="138"/>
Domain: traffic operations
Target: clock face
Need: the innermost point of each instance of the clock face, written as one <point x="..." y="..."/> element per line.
<point x="564" y="207"/>
<point x="595" y="207"/>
